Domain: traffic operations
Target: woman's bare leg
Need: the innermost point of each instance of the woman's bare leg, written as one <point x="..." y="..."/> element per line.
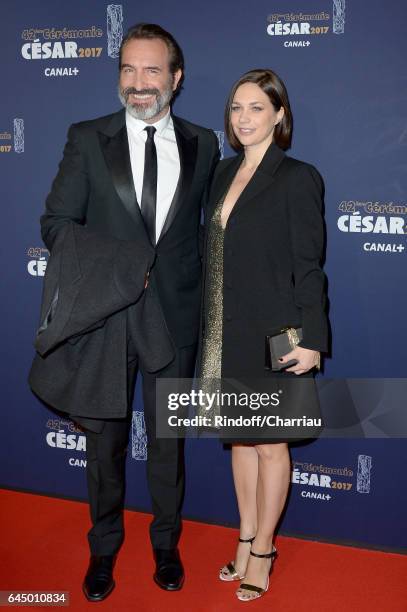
<point x="245" y="461"/>
<point x="272" y="488"/>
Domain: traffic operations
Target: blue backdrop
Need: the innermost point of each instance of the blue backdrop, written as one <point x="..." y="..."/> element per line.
<point x="344" y="67"/>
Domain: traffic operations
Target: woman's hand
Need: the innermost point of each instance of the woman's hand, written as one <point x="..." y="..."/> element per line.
<point x="307" y="359"/>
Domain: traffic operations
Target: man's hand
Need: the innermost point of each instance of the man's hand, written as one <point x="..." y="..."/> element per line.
<point x="307" y="359"/>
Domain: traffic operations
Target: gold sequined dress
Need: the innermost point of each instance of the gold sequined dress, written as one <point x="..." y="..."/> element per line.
<point x="210" y="371"/>
<point x="211" y="363"/>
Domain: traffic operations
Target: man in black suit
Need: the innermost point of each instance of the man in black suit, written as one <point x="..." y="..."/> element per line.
<point x="140" y="174"/>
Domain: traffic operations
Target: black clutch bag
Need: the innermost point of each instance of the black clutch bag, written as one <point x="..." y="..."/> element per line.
<point x="280" y="344"/>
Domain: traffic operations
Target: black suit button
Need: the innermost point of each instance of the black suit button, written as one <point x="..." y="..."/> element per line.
<point x="228" y="317"/>
<point x="230" y="252"/>
<point x="229" y="284"/>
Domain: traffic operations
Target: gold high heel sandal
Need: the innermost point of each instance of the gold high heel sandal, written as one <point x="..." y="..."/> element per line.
<point x="232" y="574"/>
<point x="255" y="591"/>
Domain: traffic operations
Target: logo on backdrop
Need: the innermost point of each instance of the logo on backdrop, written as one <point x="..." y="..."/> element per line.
<point x="76" y="44"/>
<point x="38" y="259"/>
<point x="13" y="141"/>
<point x="302" y="29"/>
<point x="363" y="474"/>
<point x="114" y="29"/>
<point x="324" y="483"/>
<point x="138" y="437"/>
<point x="65" y="435"/>
<point x="221" y="141"/>
<point x="382" y="224"/>
<point x="338" y="17"/>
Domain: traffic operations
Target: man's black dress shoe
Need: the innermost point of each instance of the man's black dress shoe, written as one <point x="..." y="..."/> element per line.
<point x="169" y="573"/>
<point x="99" y="583"/>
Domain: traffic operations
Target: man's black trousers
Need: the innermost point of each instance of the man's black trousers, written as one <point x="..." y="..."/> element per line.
<point x="106" y="449"/>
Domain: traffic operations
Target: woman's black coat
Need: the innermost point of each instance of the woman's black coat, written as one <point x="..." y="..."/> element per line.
<point x="273" y="246"/>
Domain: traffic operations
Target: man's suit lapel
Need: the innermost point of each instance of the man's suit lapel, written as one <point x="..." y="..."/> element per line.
<point x="115" y="148"/>
<point x="187" y="149"/>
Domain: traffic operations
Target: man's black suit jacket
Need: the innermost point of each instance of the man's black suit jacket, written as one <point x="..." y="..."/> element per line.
<point x="94" y="186"/>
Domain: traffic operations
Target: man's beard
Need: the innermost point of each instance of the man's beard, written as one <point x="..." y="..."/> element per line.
<point x="143" y="111"/>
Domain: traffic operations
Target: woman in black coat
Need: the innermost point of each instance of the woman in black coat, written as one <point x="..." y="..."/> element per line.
<point x="264" y="244"/>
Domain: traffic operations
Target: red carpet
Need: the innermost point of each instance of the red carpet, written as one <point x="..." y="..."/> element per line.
<point x="43" y="547"/>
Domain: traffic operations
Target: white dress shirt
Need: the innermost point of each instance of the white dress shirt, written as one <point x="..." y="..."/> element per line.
<point x="168" y="164"/>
